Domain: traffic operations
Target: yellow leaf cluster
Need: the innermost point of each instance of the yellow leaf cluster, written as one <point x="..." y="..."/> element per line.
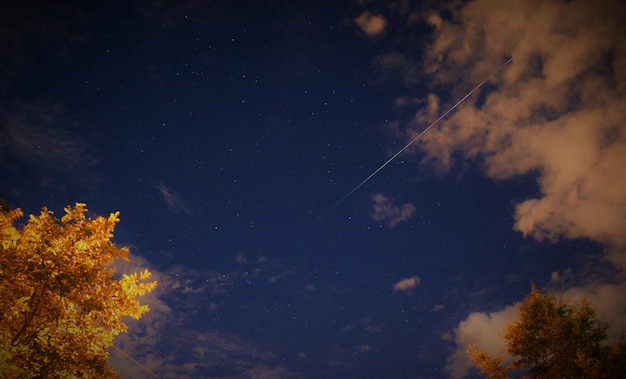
<point x="61" y="305"/>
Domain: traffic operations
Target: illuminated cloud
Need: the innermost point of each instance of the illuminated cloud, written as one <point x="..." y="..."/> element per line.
<point x="143" y="335"/>
<point x="557" y="112"/>
<point x="438" y="308"/>
<point x="372" y="25"/>
<point x="172" y="199"/>
<point x="181" y="294"/>
<point x="384" y="210"/>
<point x="406" y="284"/>
<point x="483" y="329"/>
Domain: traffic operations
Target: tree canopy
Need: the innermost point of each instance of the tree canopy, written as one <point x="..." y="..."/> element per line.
<point x="555" y="339"/>
<point x="61" y="303"/>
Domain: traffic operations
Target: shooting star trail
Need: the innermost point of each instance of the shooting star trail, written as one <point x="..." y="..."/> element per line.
<point x="413" y="141"/>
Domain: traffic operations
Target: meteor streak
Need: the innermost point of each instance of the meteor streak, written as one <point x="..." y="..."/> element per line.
<point x="413" y="140"/>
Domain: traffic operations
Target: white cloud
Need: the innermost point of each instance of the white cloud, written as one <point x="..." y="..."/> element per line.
<point x="484" y="329"/>
<point x="384" y="210"/>
<point x="406" y="284"/>
<point x="558" y="111"/>
<point x="372" y="25"/>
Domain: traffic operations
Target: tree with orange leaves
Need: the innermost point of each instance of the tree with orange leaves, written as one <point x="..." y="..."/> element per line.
<point x="555" y="339"/>
<point x="61" y="304"/>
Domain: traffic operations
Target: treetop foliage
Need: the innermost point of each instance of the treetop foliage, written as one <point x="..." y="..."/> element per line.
<point x="61" y="305"/>
<point x="555" y="339"/>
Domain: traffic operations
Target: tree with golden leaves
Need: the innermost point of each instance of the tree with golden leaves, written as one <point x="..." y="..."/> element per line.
<point x="555" y="339"/>
<point x="61" y="305"/>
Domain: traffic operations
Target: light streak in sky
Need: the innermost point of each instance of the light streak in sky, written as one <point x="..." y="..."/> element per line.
<point x="413" y="140"/>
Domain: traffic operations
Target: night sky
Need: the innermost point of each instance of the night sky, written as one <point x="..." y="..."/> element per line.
<point x="230" y="134"/>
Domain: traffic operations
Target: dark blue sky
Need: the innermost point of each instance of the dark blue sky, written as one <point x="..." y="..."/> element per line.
<point x="226" y="133"/>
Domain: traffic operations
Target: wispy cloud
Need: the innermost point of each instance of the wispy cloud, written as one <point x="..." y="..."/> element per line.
<point x="172" y="199"/>
<point x="370" y="24"/>
<point x="406" y="284"/>
<point x="168" y="343"/>
<point x="385" y="210"/>
<point x="38" y="134"/>
<point x="40" y="137"/>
